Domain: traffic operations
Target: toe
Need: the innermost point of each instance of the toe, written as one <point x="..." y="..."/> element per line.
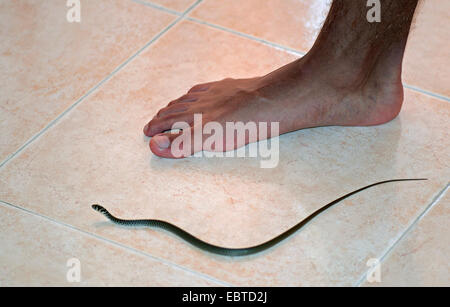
<point x="160" y="145"/>
<point x="188" y="98"/>
<point x="176" y="108"/>
<point x="200" y="88"/>
<point x="185" y="143"/>
<point x="173" y="145"/>
<point x="184" y="99"/>
<point x="159" y="125"/>
<point x="161" y="141"/>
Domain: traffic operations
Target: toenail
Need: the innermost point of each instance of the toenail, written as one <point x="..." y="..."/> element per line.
<point x="162" y="141"/>
<point x="146" y="128"/>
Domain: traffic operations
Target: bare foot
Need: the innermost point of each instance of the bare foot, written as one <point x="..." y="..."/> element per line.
<point x="302" y="94"/>
<point x="347" y="79"/>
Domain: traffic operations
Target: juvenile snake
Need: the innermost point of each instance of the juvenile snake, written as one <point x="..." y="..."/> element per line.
<point x="225" y="250"/>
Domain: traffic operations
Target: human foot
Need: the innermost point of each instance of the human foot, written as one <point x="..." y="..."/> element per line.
<point x="302" y="94"/>
<point x="351" y="77"/>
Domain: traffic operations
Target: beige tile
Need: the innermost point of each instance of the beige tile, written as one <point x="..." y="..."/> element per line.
<point x="35" y="252"/>
<point x="177" y="5"/>
<point x="295" y="24"/>
<point x="422" y="257"/>
<point x="98" y="154"/>
<point x="48" y="63"/>
<point x="427" y="56"/>
<point x="291" y="23"/>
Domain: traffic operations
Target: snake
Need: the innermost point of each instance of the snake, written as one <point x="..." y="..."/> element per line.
<point x="226" y="251"/>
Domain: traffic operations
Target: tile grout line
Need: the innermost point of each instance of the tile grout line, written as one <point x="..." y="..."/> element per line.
<point x="248" y="36"/>
<point x="115" y="243"/>
<point x="98" y="85"/>
<point x="425" y="92"/>
<point x="158" y="7"/>
<point x="202" y="22"/>
<point x="408" y="229"/>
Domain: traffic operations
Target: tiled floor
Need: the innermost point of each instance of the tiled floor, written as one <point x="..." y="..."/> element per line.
<point x="76" y="96"/>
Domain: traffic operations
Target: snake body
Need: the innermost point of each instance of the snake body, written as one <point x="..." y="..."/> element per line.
<point x="225" y="250"/>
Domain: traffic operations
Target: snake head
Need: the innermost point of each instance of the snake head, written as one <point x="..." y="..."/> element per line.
<point x="99" y="208"/>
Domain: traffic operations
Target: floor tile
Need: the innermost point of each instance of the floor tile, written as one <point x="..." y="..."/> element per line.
<point x="427" y="56"/>
<point x="232" y="202"/>
<point x="421" y="257"/>
<point x="295" y="24"/>
<point x="48" y="63"/>
<point x="290" y="23"/>
<point x="36" y="252"/>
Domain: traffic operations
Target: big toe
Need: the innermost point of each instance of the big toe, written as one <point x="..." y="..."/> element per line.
<point x="199" y="88"/>
<point x="161" y="145"/>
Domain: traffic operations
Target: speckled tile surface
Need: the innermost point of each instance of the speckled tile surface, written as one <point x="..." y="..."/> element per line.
<point x="428" y="51"/>
<point x="48" y="63"/>
<point x="97" y="153"/>
<point x="421" y="257"/>
<point x="290" y="23"/>
<point x="38" y="252"/>
<point x="232" y="202"/>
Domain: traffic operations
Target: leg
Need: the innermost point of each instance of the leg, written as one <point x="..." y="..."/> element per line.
<point x="350" y="77"/>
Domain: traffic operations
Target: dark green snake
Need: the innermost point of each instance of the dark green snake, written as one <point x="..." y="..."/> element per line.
<point x="231" y="251"/>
